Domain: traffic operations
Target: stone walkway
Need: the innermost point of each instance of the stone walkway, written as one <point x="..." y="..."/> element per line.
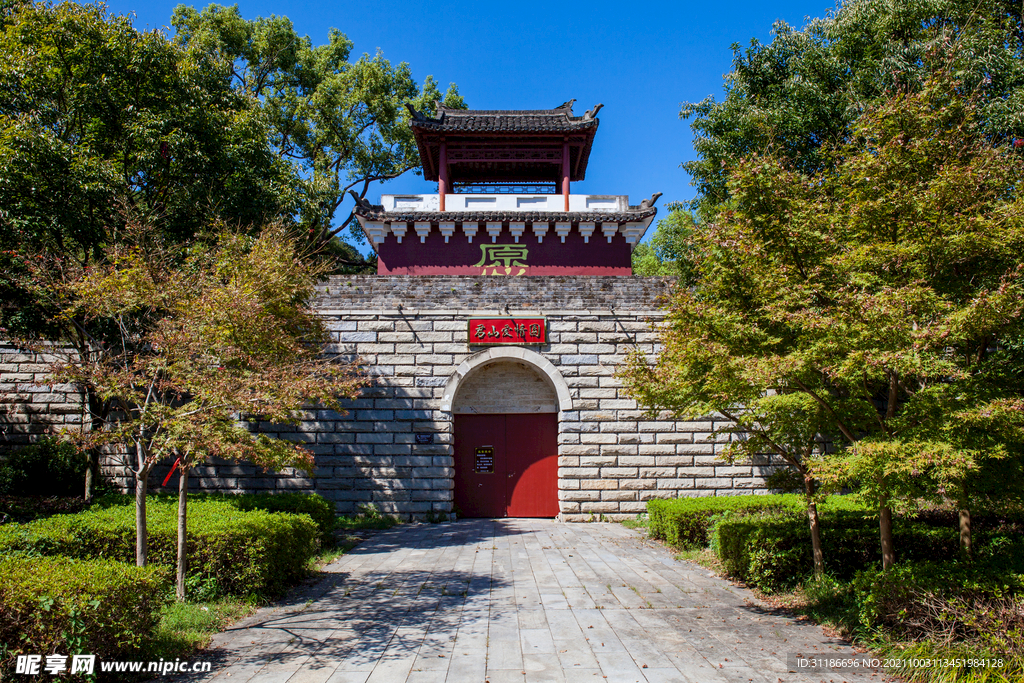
<point x="518" y="600"/>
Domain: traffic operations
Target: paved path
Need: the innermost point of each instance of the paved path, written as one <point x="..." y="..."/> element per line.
<point x="518" y="600"/>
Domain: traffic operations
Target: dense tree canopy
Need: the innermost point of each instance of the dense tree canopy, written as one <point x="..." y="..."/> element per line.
<point x="343" y="124"/>
<point x="804" y="89"/>
<point x="887" y="293"/>
<point x="666" y="253"/>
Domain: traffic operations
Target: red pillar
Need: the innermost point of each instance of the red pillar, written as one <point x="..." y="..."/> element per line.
<point x="442" y="173"/>
<point x="565" y="173"/>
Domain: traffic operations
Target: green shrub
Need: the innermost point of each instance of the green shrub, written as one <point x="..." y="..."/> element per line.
<point x="319" y="509"/>
<point x="773" y="552"/>
<point x="46" y="468"/>
<point x="686" y="522"/>
<point x="230" y="551"/>
<point x="973" y="602"/>
<point x="67" y="606"/>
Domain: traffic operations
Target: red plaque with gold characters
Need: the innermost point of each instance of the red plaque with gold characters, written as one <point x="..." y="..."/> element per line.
<point x="496" y="331"/>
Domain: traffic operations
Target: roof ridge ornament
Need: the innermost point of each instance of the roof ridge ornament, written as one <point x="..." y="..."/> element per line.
<point x="416" y="115"/>
<point x="648" y="203"/>
<point x="566" y="105"/>
<point x="362" y="202"/>
<point x="589" y="116"/>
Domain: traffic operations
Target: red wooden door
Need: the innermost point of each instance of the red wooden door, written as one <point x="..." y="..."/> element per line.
<point x="479" y="493"/>
<point x="531" y="457"/>
<point x="506" y="465"/>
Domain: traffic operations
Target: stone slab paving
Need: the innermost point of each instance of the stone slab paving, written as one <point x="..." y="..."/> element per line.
<point x="519" y="600"/>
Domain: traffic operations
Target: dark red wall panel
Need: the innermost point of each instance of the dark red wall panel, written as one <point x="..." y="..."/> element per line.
<point x="459" y="257"/>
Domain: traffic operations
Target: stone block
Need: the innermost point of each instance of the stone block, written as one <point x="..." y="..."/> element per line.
<point x="620" y="495"/>
<point x="598" y="393"/>
<point x="579" y="495"/>
<point x="597" y="438"/>
<point x="376" y="325"/>
<point x="579" y="472"/>
<point x="579" y="359"/>
<point x="695" y="448"/>
<point x="374" y="437"/>
<point x="598" y="349"/>
<point x="620" y="449"/>
<point x="619" y="472"/>
<point x="636" y="460"/>
<point x="598" y="460"/>
<point x="599" y="484"/>
<point x="588" y="449"/>
<point x="638" y="484"/>
<point x="598" y="508"/>
<point x="595" y="415"/>
<point x="673" y="460"/>
<point x="674" y="438"/>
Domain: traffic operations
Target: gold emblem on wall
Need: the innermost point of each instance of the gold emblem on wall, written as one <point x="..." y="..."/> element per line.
<point x="502" y="259"/>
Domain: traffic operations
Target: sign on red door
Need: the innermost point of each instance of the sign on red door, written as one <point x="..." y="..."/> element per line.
<point x="506" y="465"/>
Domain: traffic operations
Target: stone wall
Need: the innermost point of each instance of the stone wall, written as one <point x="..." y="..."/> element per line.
<point x="30" y="406"/>
<point x="410" y="334"/>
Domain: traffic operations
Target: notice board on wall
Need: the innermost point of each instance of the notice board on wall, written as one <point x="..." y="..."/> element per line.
<point x="484" y="463"/>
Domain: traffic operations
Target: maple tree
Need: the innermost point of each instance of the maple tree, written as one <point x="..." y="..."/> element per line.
<point x="207" y="338"/>
<point x="876" y="305"/>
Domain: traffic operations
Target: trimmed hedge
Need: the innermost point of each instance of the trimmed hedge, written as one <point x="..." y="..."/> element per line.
<point x="686" y="522"/>
<point x="773" y="553"/>
<point x="241" y="552"/>
<point x="57" y="604"/>
<point x="319" y="509"/>
<point x="910" y="600"/>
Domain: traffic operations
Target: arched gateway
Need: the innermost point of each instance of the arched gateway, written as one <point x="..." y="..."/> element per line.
<point x="505" y="404"/>
<point x="502" y="306"/>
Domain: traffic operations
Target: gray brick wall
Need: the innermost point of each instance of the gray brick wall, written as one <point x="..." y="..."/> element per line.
<point x="30" y="404"/>
<point x="410" y="334"/>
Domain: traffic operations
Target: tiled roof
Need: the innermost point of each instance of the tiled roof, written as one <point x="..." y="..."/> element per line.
<point x="377" y="213"/>
<point x="522" y="121"/>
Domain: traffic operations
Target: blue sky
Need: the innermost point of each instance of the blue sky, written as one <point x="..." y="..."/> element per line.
<point x="641" y="60"/>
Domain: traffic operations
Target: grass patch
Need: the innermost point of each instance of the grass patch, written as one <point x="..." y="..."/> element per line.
<point x="642" y="521"/>
<point x="186" y="627"/>
<point x="705" y="557"/>
<point x="360" y="522"/>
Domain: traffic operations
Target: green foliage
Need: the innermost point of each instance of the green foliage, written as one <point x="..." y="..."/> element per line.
<point x="802" y="91"/>
<point x="876" y="306"/>
<point x="342" y="123"/>
<point x="69" y="606"/>
<point x="667" y="253"/>
<point x="230" y="551"/>
<point x="188" y="626"/>
<point x="916" y="599"/>
<point x="319" y="509"/>
<point x="101" y="120"/>
<point x="687" y="522"/>
<point x="772" y="553"/>
<point x="46" y="468"/>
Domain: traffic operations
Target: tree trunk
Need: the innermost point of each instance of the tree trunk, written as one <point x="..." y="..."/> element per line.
<point x="182" y="530"/>
<point x="812" y="518"/>
<point x="140" y="518"/>
<point x="96" y="419"/>
<point x="92" y="473"/>
<point x="965" y="530"/>
<point x="885" y="528"/>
